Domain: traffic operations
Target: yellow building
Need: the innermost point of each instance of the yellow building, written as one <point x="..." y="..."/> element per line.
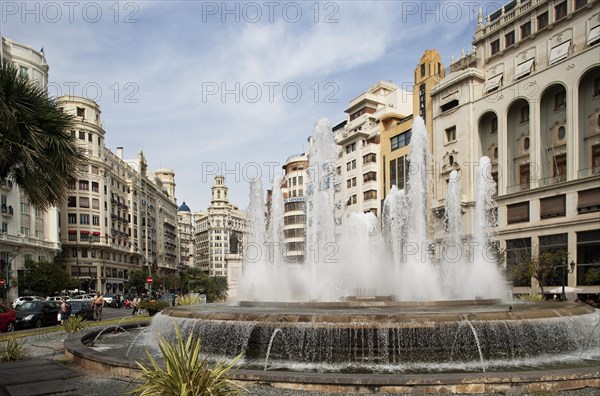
<point x="396" y="127"/>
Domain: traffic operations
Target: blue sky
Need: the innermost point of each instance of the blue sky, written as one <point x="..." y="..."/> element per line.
<point x="230" y="86"/>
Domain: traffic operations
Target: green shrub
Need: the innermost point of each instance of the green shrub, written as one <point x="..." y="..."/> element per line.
<point x="186" y="373"/>
<point x="12" y="350"/>
<point x="531" y="297"/>
<point x="73" y="324"/>
<point x="153" y="305"/>
<point x="190" y="299"/>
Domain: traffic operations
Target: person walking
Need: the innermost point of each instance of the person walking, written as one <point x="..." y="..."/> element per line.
<point x="136" y="305"/>
<point x="98" y="303"/>
<point x="65" y="311"/>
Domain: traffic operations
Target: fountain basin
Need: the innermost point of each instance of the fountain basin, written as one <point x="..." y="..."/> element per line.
<point x="513" y="378"/>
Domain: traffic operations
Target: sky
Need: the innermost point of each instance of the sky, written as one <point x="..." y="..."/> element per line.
<point x="230" y="87"/>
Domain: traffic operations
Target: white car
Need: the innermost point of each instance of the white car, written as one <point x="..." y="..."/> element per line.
<point x="20" y="300"/>
<point x="83" y="297"/>
<point x="57" y="298"/>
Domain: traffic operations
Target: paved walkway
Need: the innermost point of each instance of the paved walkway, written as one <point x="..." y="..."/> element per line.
<point x="36" y="377"/>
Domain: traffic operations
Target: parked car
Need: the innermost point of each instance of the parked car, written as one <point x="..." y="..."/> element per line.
<point x="110" y="300"/>
<point x="20" y="300"/>
<point x="82" y="309"/>
<point x="37" y="314"/>
<point x="57" y="298"/>
<point x="83" y="297"/>
<point x="8" y="319"/>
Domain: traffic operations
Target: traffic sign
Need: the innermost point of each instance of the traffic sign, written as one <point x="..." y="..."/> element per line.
<point x="149" y="280"/>
<point x="2" y="282"/>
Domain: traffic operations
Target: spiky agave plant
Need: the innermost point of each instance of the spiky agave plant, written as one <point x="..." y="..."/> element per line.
<point x="531" y="297"/>
<point x="190" y="299"/>
<point x="186" y="373"/>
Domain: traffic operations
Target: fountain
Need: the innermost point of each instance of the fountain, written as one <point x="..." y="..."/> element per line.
<point x="372" y="300"/>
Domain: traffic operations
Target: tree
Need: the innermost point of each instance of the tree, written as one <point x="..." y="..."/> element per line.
<point x="544" y="267"/>
<point x="46" y="278"/>
<point x="36" y="149"/>
<point x="136" y="281"/>
<point x="215" y="287"/>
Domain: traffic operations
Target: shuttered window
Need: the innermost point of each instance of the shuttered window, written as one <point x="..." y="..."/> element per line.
<point x="588" y="200"/>
<point x="552" y="207"/>
<point x="518" y="213"/>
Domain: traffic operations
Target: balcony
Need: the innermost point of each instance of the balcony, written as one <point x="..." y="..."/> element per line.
<point x="7" y="211"/>
<point x="6" y="185"/>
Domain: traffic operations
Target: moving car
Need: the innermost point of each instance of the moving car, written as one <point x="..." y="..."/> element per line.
<point x="83" y="297"/>
<point x="37" y="314"/>
<point x="57" y="298"/>
<point x="82" y="309"/>
<point x="8" y="319"/>
<point x="20" y="300"/>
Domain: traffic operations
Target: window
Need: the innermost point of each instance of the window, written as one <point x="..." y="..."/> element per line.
<point x="450" y="105"/>
<point x="96" y="220"/>
<point x="300" y="180"/>
<point x="518" y="253"/>
<point x="95" y="203"/>
<point x="493" y="83"/>
<point x="494" y="126"/>
<point x="524" y="69"/>
<point x="38" y="213"/>
<point x="370" y="176"/>
<point x="95" y="187"/>
<point x="72" y="202"/>
<point x="580" y="3"/>
<point x="72" y="218"/>
<point x="351" y="165"/>
<point x="4" y="227"/>
<point x="509" y="39"/>
<point x="526" y="143"/>
<point x="350" y="148"/>
<point x="84" y="202"/>
<point x="588" y="200"/>
<point x="517" y="213"/>
<point x="84" y="185"/>
<point x="84" y="219"/>
<point x="560" y="167"/>
<point x="560" y="100"/>
<point x="525" y="30"/>
<point x="81" y="113"/>
<point x="525" y="113"/>
<point x="542" y="21"/>
<point x="398" y="174"/>
<point x="369" y="195"/>
<point x="559" y="52"/>
<point x="72" y="237"/>
<point x="24" y="208"/>
<point x="369" y="158"/>
<point x="351" y="182"/>
<point x="552" y="207"/>
<point x="524" y="176"/>
<point x="560" y="11"/>
<point x="596" y="87"/>
<point x="562" y="131"/>
<point x="401" y="140"/>
<point x="451" y="134"/>
<point x="25" y="231"/>
<point x="596" y="156"/>
<point x="495" y="46"/>
<point x="23" y="72"/>
<point x="423" y="70"/>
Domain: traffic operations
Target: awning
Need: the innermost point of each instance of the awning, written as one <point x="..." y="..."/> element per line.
<point x="95" y="233"/>
<point x="72" y="231"/>
<point x="594" y="35"/>
<point x="524" y="68"/>
<point x="560" y="52"/>
<point x="84" y="232"/>
<point x="493" y="83"/>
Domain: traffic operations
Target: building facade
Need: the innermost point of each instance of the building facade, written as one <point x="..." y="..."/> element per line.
<point x="27" y="232"/>
<point x="119" y="217"/>
<point x="294" y="207"/>
<point x="214" y="228"/>
<point x="528" y="97"/>
<point x="359" y="161"/>
<point x="185" y="228"/>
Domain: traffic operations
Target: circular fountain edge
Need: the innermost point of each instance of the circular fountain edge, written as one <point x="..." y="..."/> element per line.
<point x="517" y="381"/>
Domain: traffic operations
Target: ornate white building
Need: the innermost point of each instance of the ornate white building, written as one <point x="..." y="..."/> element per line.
<point x="185" y="228"/>
<point x="26" y="232"/>
<point x="213" y="229"/>
<point x="528" y="97"/>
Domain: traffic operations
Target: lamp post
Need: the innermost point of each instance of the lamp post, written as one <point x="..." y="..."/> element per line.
<point x="181" y="267"/>
<point x="570" y="270"/>
<point x="8" y="284"/>
<point x="149" y="266"/>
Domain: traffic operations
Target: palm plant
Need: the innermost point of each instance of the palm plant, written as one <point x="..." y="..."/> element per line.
<point x="186" y="373"/>
<point x="36" y="149"/>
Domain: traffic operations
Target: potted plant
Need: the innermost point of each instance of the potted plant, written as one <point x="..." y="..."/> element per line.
<point x="153" y="306"/>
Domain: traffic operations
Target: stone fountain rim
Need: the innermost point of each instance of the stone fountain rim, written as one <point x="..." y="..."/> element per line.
<point x="520" y="381"/>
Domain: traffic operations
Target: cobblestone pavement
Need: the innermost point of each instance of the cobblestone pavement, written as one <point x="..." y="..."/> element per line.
<point x="49" y="346"/>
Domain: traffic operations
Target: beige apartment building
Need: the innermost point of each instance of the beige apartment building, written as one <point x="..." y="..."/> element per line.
<point x="119" y="217"/>
<point x="359" y="161"/>
<point x="185" y="229"/>
<point x="27" y="232"/>
<point x="294" y="181"/>
<point x="528" y="97"/>
<point x="214" y="228"/>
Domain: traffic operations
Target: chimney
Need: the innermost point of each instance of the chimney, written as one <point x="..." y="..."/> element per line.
<point x="120" y="152"/>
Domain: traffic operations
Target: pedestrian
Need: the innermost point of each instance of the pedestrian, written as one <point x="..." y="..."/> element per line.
<point x="98" y="303"/>
<point x="65" y="311"/>
<point x="136" y="305"/>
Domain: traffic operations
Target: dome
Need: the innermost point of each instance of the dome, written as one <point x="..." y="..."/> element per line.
<point x="184" y="208"/>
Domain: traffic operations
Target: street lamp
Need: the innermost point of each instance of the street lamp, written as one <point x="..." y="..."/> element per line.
<point x="181" y="267"/>
<point x="570" y="270"/>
